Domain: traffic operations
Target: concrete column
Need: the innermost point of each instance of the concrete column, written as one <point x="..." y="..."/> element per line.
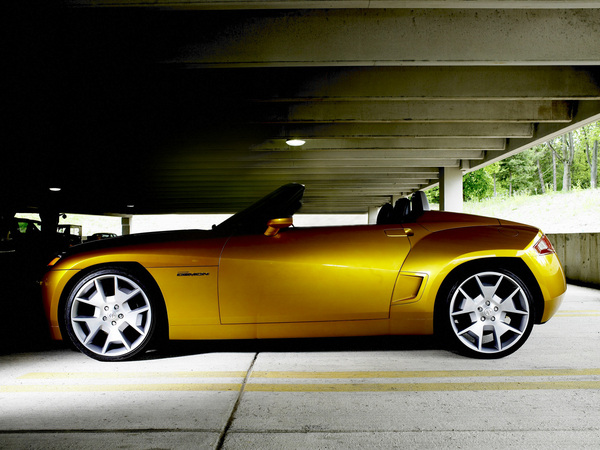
<point x="126" y="225"/>
<point x="373" y="210"/>
<point x="451" y="189"/>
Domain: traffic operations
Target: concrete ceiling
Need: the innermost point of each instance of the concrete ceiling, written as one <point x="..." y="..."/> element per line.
<point x="184" y="106"/>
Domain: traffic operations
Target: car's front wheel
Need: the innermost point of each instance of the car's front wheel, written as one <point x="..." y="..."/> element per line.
<point x="488" y="313"/>
<point x="110" y="315"/>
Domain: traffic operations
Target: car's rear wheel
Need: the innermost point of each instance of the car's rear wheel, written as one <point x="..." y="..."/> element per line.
<point x="489" y="314"/>
<point x="111" y="315"/>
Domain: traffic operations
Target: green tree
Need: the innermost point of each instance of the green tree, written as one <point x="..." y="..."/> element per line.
<point x="591" y="137"/>
<point x="518" y="173"/>
<point x="433" y="195"/>
<point x="538" y="155"/>
<point x="564" y="149"/>
<point x="492" y="170"/>
<point x="477" y="185"/>
<point x="531" y="171"/>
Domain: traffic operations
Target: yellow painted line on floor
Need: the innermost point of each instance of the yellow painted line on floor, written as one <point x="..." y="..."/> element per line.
<point x="314" y="375"/>
<point x="572" y="312"/>
<point x="319" y="387"/>
<point x="578" y="315"/>
<point x="423" y="387"/>
<point x="173" y="387"/>
<point x="118" y="375"/>
<point x="430" y="374"/>
<point x="348" y="386"/>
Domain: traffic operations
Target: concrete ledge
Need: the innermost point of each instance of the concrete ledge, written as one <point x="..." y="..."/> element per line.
<point x="579" y="255"/>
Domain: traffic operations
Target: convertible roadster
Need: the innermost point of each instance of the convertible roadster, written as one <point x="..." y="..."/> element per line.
<point x="479" y="283"/>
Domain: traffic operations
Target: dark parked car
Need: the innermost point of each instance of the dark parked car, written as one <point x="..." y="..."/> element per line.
<point x="98" y="236"/>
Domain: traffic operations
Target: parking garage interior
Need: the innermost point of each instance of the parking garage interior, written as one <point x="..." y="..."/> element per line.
<point x="169" y="107"/>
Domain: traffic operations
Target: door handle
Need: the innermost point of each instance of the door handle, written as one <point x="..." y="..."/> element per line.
<point x="399" y="232"/>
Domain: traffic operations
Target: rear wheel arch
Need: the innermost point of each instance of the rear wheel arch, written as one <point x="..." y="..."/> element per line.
<point x="512" y="269"/>
<point x="516" y="265"/>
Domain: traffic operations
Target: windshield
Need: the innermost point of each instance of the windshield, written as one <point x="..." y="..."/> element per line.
<point x="283" y="202"/>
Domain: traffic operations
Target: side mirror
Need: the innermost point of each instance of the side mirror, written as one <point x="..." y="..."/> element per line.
<point x="275" y="225"/>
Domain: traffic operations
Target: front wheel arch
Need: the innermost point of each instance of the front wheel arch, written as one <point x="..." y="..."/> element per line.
<point x="161" y="329"/>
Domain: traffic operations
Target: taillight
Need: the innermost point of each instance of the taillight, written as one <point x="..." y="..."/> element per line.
<point x="544" y="246"/>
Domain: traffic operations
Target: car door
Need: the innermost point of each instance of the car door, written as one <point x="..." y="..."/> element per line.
<point x="311" y="274"/>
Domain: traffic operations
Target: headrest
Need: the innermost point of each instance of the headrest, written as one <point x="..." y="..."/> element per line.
<point x="384" y="216"/>
<point x="401" y="209"/>
<point x="419" y="203"/>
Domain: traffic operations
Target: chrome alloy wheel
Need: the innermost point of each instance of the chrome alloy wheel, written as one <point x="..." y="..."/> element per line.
<point x="110" y="316"/>
<point x="490" y="313"/>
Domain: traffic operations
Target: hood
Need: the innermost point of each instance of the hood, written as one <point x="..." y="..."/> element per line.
<point x="140" y="239"/>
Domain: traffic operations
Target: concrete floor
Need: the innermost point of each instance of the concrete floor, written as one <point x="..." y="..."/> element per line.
<point x="328" y="393"/>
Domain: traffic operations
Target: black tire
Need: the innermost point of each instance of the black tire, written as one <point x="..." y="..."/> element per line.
<point x="486" y="313"/>
<point x="111" y="314"/>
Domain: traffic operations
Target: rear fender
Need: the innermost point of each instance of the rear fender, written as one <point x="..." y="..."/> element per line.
<point x="515" y="265"/>
<point x="440" y="253"/>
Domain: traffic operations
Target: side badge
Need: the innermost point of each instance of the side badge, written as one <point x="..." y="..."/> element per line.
<point x="192" y="274"/>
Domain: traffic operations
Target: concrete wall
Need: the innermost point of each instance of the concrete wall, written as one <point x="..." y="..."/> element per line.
<point x="579" y="255"/>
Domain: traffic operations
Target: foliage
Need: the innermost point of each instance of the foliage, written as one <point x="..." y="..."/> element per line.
<point x="433" y="195"/>
<point x="477" y="185"/>
<point x="520" y="174"/>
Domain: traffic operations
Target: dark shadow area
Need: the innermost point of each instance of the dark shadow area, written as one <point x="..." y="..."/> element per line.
<point x="24" y="326"/>
<point x="583" y="284"/>
<point x="26" y="247"/>
<point x="175" y="349"/>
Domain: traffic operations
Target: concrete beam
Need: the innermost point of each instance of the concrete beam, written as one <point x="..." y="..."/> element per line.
<point x="181" y="169"/>
<point x="587" y="112"/>
<point x="300" y="176"/>
<point x="370" y="37"/>
<point x="316" y="190"/>
<point x="405" y="129"/>
<point x="171" y="174"/>
<point x="365" y="163"/>
<point x="205" y="164"/>
<point x="374" y="143"/>
<point x="329" y="4"/>
<point x="383" y="156"/>
<point x="416" y="83"/>
<point x="416" y="111"/>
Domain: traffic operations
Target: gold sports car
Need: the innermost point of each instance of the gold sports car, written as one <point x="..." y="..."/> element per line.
<point x="480" y="283"/>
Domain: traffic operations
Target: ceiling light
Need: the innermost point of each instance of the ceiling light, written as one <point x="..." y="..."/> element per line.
<point x="295" y="142"/>
<point x="55" y="189"/>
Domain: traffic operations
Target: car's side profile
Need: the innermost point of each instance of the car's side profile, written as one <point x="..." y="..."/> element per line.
<point x="480" y="283"/>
